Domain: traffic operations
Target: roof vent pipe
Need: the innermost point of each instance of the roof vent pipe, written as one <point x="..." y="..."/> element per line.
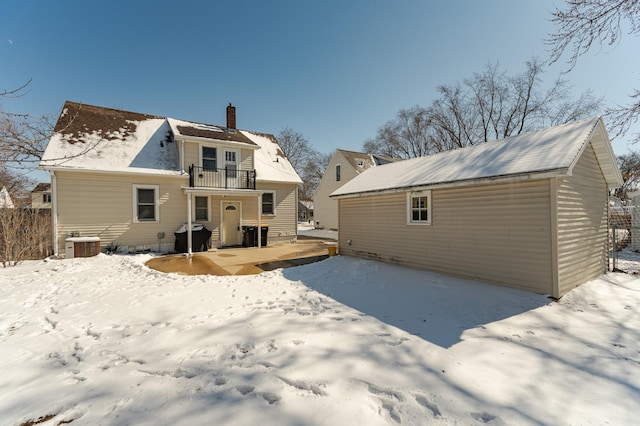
<point x="231" y="116"/>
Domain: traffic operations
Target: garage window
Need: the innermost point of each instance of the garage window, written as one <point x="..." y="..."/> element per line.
<point x="419" y="208"/>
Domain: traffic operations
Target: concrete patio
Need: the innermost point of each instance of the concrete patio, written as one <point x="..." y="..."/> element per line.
<point x="245" y="261"/>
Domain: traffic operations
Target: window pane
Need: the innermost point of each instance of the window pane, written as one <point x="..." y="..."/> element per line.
<point x="267" y="203"/>
<point x="201" y="208"/>
<point x="208" y="152"/>
<point x="423" y="215"/>
<point x="338" y="173"/>
<point x="415" y="215"/>
<point x="146" y="212"/>
<point x="208" y="164"/>
<point x="146" y="196"/>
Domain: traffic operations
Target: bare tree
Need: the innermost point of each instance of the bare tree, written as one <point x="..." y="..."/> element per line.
<point x="24" y="234"/>
<point x="312" y="173"/>
<point x="488" y="105"/>
<point x="307" y="162"/>
<point x="630" y="168"/>
<point x="406" y="136"/>
<point x="295" y="146"/>
<point x="585" y="22"/>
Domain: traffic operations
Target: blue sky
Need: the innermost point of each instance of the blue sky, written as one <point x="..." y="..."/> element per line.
<point x="333" y="70"/>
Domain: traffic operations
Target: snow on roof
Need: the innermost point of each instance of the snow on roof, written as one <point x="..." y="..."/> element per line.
<point x="88" y="137"/>
<point x="270" y="162"/>
<point x="552" y="150"/>
<point x="207" y="131"/>
<point x="102" y="139"/>
<point x="42" y="187"/>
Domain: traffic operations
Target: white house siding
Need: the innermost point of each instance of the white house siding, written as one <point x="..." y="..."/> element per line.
<point x="101" y="204"/>
<point x="325" y="209"/>
<point x="496" y="233"/>
<point x="192" y="156"/>
<point x="582" y="224"/>
<point x="283" y="227"/>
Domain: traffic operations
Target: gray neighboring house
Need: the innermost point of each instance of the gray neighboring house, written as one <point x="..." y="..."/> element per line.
<point x="528" y="212"/>
<point x="343" y="166"/>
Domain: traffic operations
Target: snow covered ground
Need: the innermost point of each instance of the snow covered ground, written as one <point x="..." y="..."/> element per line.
<point x="107" y="341"/>
<point x="308" y="230"/>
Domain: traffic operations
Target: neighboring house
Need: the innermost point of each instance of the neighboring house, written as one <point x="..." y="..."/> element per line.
<point x="528" y="212"/>
<point x="343" y="166"/>
<point x="5" y="199"/>
<point x="133" y="179"/>
<point x="41" y="196"/>
<point x="305" y="210"/>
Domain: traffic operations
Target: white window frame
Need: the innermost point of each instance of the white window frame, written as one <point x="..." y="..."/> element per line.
<point x="195" y="208"/>
<point x="338" y="172"/>
<point x="156" y="200"/>
<point x="420" y="194"/>
<point x="273" y="193"/>
<point x="201" y="159"/>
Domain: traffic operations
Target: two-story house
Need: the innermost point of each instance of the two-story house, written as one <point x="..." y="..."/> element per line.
<point x="133" y="179"/>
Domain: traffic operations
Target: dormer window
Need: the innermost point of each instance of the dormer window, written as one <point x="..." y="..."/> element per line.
<point x="209" y="155"/>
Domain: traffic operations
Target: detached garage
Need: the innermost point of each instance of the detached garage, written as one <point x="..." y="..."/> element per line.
<point x="528" y="212"/>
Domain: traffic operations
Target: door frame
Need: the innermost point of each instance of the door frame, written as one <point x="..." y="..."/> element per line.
<point x="223" y="203"/>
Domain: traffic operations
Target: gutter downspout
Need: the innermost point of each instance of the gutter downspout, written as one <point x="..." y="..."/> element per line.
<point x="189" y="237"/>
<point x="182" y="156"/>
<point x="54" y="212"/>
<point x="259" y="221"/>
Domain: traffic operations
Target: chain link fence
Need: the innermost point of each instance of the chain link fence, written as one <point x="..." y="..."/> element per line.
<point x="624" y="240"/>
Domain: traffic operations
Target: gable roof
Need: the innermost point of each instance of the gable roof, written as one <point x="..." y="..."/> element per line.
<point x="361" y="161"/>
<point x="88" y="137"/>
<point x="549" y="152"/>
<point x="42" y="187"/>
<point x="94" y="138"/>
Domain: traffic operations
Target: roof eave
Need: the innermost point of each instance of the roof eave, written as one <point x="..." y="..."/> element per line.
<point x="546" y="174"/>
<point x="198" y="139"/>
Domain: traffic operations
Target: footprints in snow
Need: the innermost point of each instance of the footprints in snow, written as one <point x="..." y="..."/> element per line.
<point x="393" y="405"/>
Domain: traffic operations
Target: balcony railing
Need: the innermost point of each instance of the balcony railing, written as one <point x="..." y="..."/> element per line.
<point x="226" y="178"/>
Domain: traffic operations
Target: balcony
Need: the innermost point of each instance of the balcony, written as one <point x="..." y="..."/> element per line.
<point x="226" y="178"/>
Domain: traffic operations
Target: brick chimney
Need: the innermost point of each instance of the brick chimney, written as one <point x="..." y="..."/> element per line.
<point x="231" y="116"/>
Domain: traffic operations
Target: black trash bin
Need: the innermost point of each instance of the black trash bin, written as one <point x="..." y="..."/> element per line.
<point x="263" y="235"/>
<point x="199" y="238"/>
<point x="250" y="236"/>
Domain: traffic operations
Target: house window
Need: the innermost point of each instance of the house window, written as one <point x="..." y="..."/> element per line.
<point x="146" y="203"/>
<point x="419" y="208"/>
<point x="268" y="203"/>
<point x="209" y="158"/>
<point x="202" y="208"/>
<point x="46" y="197"/>
<point x="338" y="173"/>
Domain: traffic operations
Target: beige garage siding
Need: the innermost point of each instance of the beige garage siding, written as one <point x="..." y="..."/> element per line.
<point x="582" y="224"/>
<point x="496" y="233"/>
<point x="102" y="205"/>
